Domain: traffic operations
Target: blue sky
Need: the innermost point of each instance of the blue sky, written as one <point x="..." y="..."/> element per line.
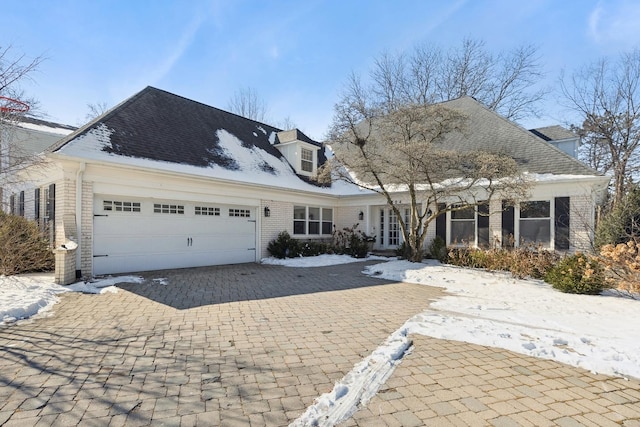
<point x="296" y="54"/>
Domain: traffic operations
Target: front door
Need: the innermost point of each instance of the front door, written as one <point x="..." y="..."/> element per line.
<point x="390" y="233"/>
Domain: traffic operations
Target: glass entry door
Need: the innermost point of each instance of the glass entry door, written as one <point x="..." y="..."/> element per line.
<point x="390" y="234"/>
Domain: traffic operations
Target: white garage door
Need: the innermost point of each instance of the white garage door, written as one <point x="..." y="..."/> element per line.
<point x="143" y="234"/>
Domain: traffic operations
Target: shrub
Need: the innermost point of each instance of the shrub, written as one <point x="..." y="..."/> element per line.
<point x="23" y="247"/>
<point x="520" y="262"/>
<point x="351" y="241"/>
<point x="312" y="248"/>
<point x="577" y="274"/>
<point x="622" y="264"/>
<point x="438" y="249"/>
<point x="284" y="246"/>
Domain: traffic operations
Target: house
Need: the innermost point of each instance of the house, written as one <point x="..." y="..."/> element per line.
<point x="161" y="181"/>
<point x="559" y="137"/>
<point x="22" y="138"/>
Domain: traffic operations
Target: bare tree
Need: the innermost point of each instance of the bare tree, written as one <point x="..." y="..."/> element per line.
<point x="96" y="110"/>
<point x="246" y="103"/>
<point x="504" y="82"/>
<point x="15" y="69"/>
<point x="607" y="97"/>
<point x="406" y="150"/>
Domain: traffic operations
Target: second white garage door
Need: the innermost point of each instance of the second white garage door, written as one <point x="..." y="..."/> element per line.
<point x="143" y="234"/>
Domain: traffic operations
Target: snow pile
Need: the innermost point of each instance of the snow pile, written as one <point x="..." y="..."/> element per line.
<point x="103" y="286"/>
<point x="24" y="296"/>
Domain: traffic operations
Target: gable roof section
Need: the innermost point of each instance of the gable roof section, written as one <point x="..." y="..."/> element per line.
<point x="553" y="133"/>
<point x="488" y="131"/>
<point x="39" y="125"/>
<point x="158" y="126"/>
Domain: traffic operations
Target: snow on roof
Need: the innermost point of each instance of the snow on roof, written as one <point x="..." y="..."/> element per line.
<point x="251" y="164"/>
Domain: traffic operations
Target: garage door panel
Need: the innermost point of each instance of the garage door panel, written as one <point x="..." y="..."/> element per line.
<point x="145" y="240"/>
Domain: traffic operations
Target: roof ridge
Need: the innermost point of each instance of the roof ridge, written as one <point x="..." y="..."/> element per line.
<point x="529" y="134"/>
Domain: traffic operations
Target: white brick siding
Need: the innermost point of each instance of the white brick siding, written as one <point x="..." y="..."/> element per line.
<point x="280" y="219"/>
<point x="86" y="239"/>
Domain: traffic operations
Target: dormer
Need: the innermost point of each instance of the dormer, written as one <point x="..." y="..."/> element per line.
<point x="300" y="151"/>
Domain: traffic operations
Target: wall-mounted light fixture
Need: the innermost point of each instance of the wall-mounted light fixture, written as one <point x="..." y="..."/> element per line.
<point x="361" y="216"/>
<point x="267" y="211"/>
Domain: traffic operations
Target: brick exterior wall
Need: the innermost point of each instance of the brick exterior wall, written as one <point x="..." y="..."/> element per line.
<point x="65" y="271"/>
<point x="280" y="219"/>
<point x="86" y="239"/>
<point x="347" y="216"/>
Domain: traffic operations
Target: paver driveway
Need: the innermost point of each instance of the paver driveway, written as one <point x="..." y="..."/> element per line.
<point x="255" y="345"/>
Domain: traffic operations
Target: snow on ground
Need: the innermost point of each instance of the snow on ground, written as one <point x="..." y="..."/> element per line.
<point x="318" y="261"/>
<point x="597" y="333"/>
<point x="27" y="295"/>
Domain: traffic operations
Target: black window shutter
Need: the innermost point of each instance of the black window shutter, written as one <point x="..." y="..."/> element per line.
<point x="52" y="202"/>
<point x="562" y="223"/>
<point x="12" y="204"/>
<point x="508" y="225"/>
<point x="441" y="223"/>
<point x="36" y="200"/>
<point x="21" y="204"/>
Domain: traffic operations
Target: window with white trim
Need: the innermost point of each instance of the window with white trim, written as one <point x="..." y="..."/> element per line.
<point x="306" y="160"/>
<point x="168" y="209"/>
<point x="312" y="220"/>
<point x="119" y="206"/>
<point x="207" y="211"/>
<point x="463" y="225"/>
<point x="535" y="222"/>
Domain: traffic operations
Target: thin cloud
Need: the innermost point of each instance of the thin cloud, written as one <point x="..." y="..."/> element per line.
<point x="615" y="26"/>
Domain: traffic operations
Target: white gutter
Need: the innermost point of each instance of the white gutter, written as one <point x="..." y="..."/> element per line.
<point x="79" y="176"/>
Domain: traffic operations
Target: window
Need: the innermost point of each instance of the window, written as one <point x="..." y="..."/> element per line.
<point x="299" y="220"/>
<point x="306" y="160"/>
<point x="327" y="221"/>
<point x="394" y="228"/>
<point x="119" y="206"/>
<point x="463" y="225"/>
<point x="535" y="222"/>
<point x="168" y="209"/>
<point x="312" y="220"/>
<point x="204" y="210"/>
<point x="243" y="213"/>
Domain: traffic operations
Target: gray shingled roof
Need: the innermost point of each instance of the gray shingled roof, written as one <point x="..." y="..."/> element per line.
<point x="158" y="125"/>
<point x="488" y="131"/>
<point x="553" y="133"/>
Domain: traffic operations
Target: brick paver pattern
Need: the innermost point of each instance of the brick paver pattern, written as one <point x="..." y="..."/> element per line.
<point x="252" y="345"/>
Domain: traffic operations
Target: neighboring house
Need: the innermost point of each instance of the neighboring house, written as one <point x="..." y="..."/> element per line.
<point x="559" y="137"/>
<point x="161" y="181"/>
<point x="20" y="140"/>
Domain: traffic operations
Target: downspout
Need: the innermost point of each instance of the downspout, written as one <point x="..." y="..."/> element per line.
<point x="79" y="177"/>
